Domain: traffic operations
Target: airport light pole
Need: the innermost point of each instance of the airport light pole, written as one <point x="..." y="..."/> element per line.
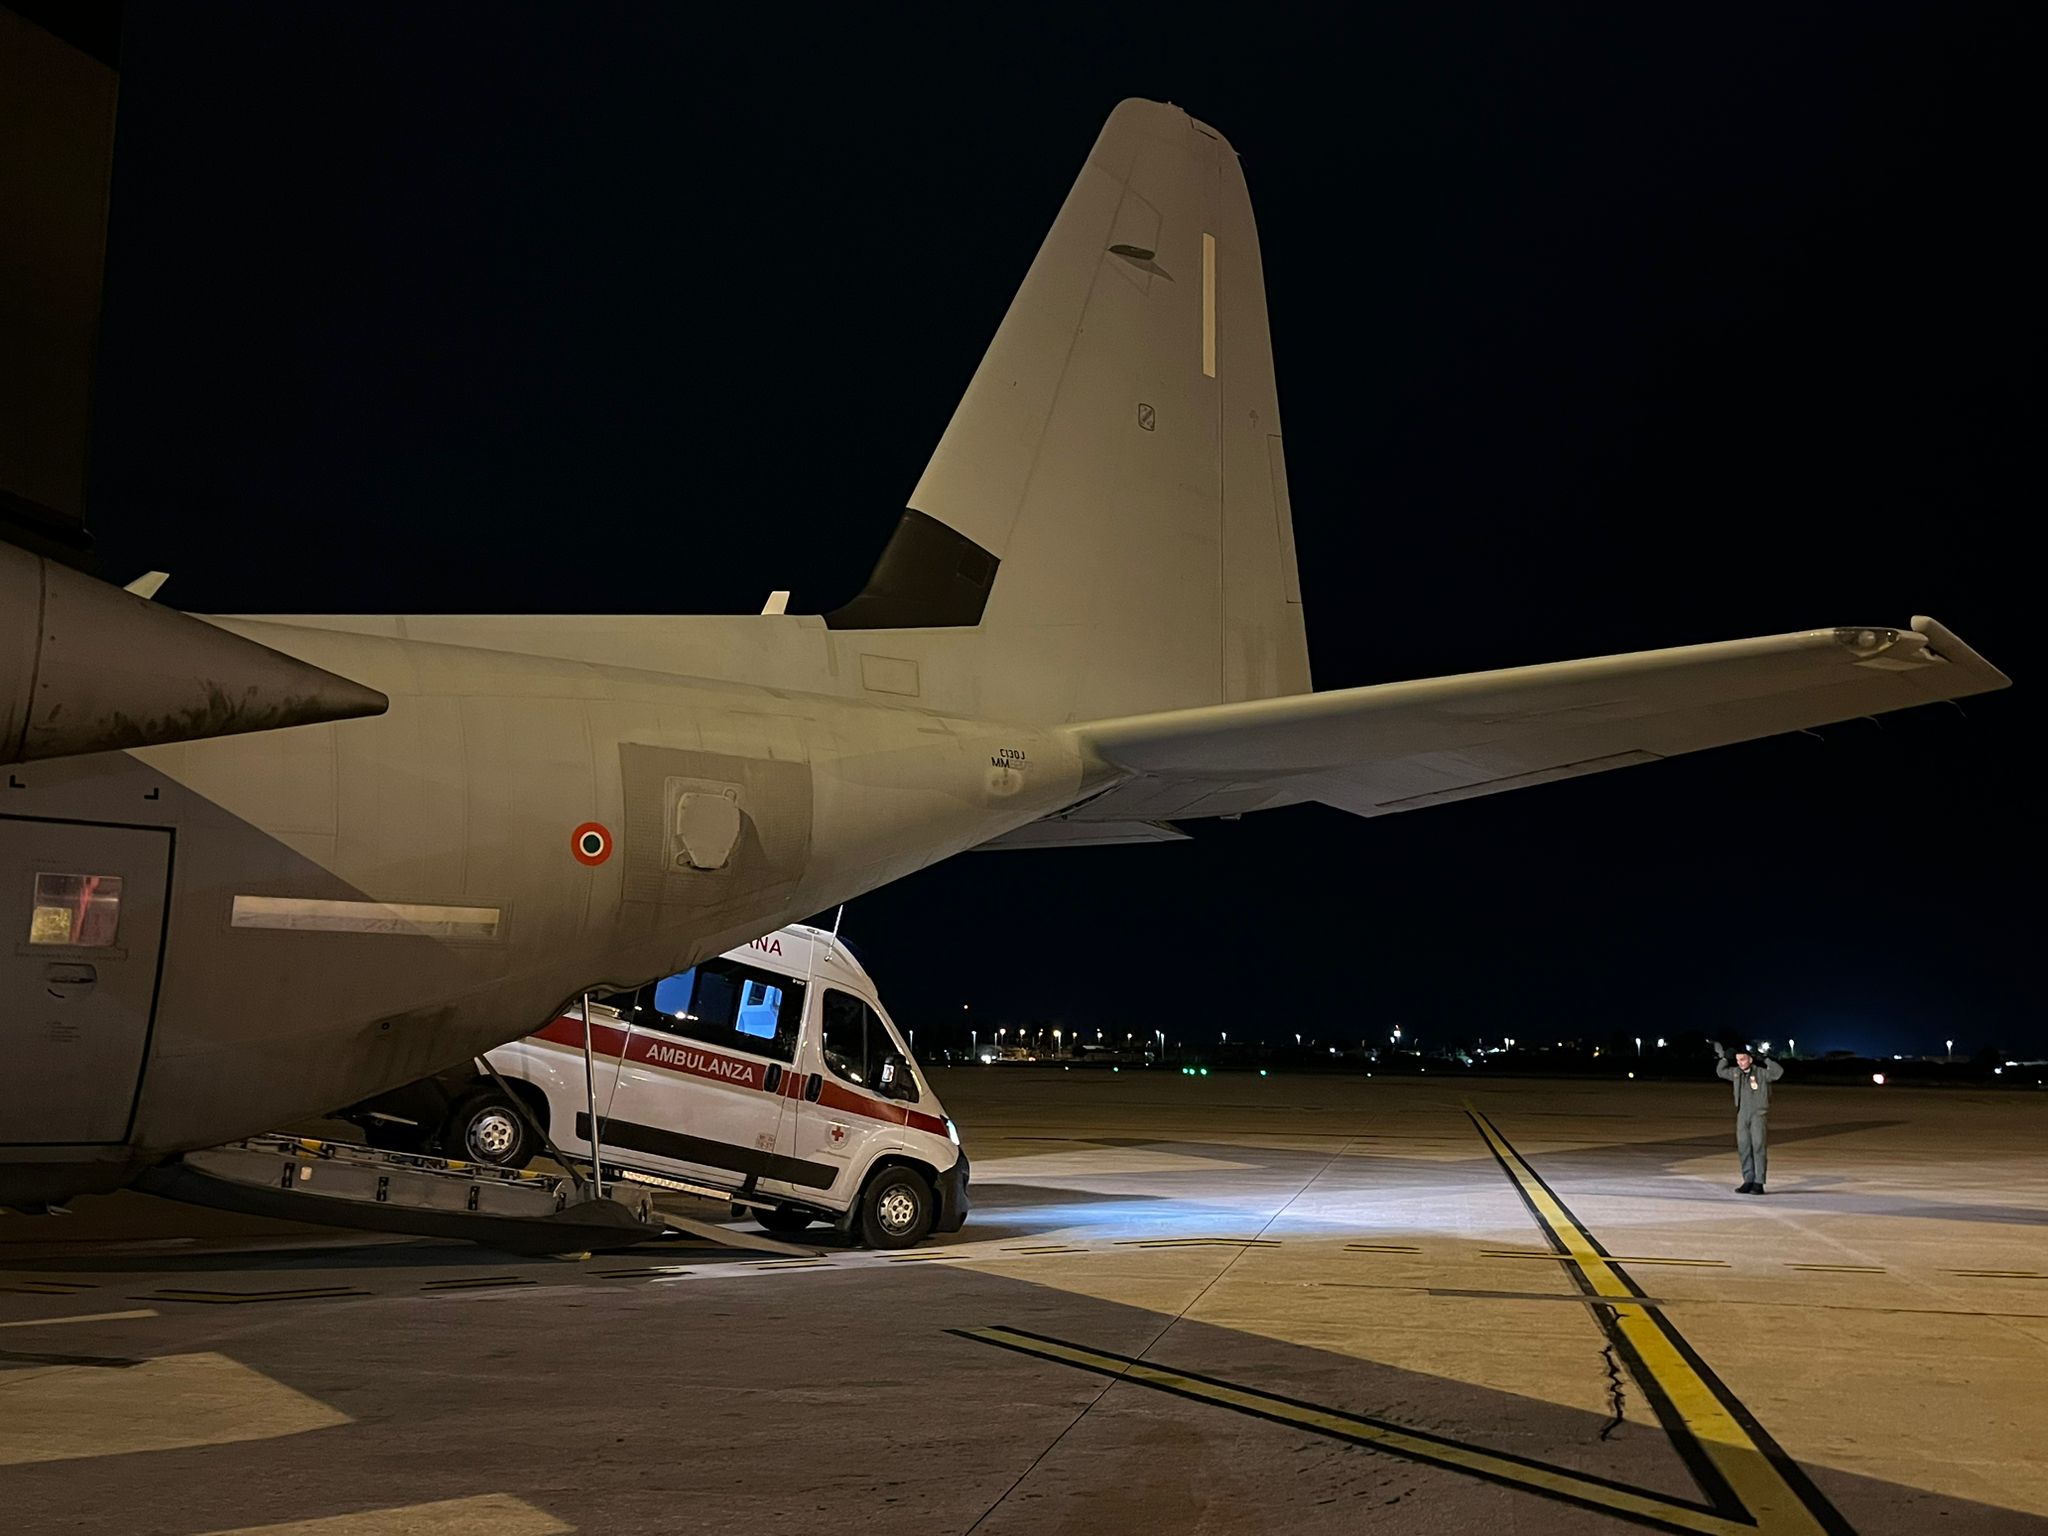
<point x="1951" y="1049"/>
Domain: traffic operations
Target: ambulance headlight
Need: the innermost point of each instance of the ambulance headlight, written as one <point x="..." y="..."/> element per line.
<point x="952" y="1131"/>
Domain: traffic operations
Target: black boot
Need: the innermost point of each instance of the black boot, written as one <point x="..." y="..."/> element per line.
<point x="1745" y="1188"/>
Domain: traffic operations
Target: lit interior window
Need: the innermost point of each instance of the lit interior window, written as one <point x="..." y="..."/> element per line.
<point x="76" y="911"/>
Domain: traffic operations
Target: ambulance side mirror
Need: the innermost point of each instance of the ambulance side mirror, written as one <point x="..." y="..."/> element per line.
<point x="893" y="1077"/>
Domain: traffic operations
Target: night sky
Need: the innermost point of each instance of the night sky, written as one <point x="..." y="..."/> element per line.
<point x="1595" y="332"/>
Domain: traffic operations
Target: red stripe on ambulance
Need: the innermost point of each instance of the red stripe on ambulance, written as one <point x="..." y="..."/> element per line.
<point x="672" y="1055"/>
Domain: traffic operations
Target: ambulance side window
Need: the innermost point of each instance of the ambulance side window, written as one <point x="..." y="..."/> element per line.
<point x="724" y="1003"/>
<point x="858" y="1048"/>
<point x="845" y="1036"/>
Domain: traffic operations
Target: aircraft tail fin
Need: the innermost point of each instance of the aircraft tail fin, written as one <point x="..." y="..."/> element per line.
<point x="1107" y="510"/>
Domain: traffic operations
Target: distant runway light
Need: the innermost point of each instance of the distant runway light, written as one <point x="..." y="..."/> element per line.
<point x="1877" y="1078"/>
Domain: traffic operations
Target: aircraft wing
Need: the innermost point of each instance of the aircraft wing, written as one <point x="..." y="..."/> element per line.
<point x="1402" y="746"/>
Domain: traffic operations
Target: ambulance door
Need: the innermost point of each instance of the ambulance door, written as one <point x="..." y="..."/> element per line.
<point x="857" y="1096"/>
<point x="701" y="1088"/>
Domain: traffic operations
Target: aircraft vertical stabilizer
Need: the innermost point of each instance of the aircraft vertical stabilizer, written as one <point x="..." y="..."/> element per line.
<point x="1110" y="499"/>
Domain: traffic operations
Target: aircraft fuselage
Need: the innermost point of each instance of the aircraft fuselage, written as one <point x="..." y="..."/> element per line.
<point x="345" y="907"/>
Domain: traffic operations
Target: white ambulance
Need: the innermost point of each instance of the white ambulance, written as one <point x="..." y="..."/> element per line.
<point x="771" y="1073"/>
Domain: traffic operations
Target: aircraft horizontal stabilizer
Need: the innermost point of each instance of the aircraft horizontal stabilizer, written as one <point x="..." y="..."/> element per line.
<point x="1061" y="832"/>
<point x="1402" y="746"/>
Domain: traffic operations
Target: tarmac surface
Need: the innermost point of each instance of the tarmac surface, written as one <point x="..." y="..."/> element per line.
<point x="1212" y="1304"/>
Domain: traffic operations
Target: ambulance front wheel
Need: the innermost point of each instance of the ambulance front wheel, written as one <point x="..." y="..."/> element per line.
<point x="897" y="1209"/>
<point x="487" y="1127"/>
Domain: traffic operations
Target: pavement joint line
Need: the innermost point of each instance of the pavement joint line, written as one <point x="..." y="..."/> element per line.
<point x="489" y="1282"/>
<point x="1567" y="1258"/>
<point x="2000" y="1274"/>
<point x="1744" y="1473"/>
<point x="1842" y="1269"/>
<point x="48" y="1287"/>
<point x="235" y="1298"/>
<point x="1380" y="1248"/>
<point x="38" y="1357"/>
<point x="1640" y="1505"/>
<point x="1197" y="1242"/>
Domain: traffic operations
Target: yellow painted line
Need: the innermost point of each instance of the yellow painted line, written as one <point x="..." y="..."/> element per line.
<point x="1380" y="1248"/>
<point x="1840" y="1269"/>
<point x="1721" y="1435"/>
<point x="2001" y="1274"/>
<point x="82" y="1317"/>
<point x="1554" y="1482"/>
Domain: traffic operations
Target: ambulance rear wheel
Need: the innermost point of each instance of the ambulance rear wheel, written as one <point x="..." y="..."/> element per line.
<point x="487" y="1127"/>
<point x="897" y="1209"/>
<point x="783" y="1219"/>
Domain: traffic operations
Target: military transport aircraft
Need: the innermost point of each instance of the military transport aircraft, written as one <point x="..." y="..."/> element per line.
<point x="252" y="869"/>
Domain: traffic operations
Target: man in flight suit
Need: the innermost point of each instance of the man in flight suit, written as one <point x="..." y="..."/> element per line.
<point x="1752" y="1076"/>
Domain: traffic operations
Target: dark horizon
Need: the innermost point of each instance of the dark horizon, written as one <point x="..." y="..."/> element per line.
<point x="1594" y="334"/>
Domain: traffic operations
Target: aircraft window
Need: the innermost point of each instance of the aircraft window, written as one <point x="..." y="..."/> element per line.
<point x="723" y="1003"/>
<point x="859" y="1049"/>
<point x="76" y="911"/>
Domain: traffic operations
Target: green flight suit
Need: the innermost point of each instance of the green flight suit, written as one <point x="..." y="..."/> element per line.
<point x="1752" y="1110"/>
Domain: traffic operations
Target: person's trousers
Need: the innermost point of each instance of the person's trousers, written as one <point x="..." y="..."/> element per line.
<point x="1750" y="1145"/>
